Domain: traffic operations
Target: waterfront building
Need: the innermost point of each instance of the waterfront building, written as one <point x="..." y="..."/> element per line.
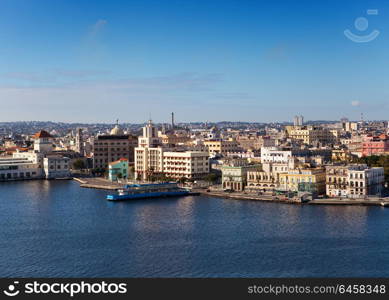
<point x="304" y="180"/>
<point x="111" y="147"/>
<point x="337" y="181"/>
<point x="354" y="181"/>
<point x="364" y="181"/>
<point x="148" y="153"/>
<point x="42" y="162"/>
<point x="234" y="175"/>
<point x="188" y="164"/>
<point x="153" y="157"/>
<point x="118" y="169"/>
<point x="56" y="166"/>
<point x="261" y="180"/>
<point x="19" y="169"/>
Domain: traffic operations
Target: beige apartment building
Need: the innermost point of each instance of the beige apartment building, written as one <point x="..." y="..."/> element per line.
<point x="221" y="146"/>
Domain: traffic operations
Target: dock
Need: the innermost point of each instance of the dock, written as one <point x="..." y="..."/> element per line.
<point x="98" y="183"/>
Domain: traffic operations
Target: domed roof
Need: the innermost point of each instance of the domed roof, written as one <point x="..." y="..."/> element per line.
<point x="116" y="131"/>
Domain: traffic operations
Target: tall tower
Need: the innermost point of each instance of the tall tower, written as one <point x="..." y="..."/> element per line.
<point x="150" y="136"/>
<point x="298" y="120"/>
<point x="172" y="120"/>
<point x="43" y="142"/>
<point x="79" y="141"/>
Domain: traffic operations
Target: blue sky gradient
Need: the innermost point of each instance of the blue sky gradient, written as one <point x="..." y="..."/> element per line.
<point x="243" y="60"/>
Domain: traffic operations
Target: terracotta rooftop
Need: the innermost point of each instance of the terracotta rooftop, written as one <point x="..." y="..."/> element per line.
<point x="42" y="134"/>
<point x="117" y="161"/>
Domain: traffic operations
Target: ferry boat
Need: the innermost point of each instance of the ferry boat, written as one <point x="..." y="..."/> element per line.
<point x="156" y="190"/>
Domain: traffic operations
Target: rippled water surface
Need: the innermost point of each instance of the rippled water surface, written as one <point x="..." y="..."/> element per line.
<point x="57" y="229"/>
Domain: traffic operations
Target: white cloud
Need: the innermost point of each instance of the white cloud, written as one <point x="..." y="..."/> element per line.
<point x="355" y="103"/>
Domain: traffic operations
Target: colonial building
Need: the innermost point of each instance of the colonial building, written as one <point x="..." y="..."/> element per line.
<point x="234" y="176"/>
<point x="56" y="166"/>
<point x="354" y="181"/>
<point x="304" y="180"/>
<point x="261" y="180"/>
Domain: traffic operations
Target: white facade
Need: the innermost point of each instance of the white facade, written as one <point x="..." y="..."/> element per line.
<point x="19" y="169"/>
<point x="353" y="181"/>
<point x="189" y="164"/>
<point x="151" y="158"/>
<point x="56" y="167"/>
<point x="274" y="154"/>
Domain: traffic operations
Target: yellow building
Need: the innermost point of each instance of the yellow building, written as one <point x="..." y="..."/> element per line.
<point x="310" y="134"/>
<point x="304" y="180"/>
<point x="341" y="155"/>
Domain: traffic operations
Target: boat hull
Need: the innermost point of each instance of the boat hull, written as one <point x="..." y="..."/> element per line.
<point x="146" y="195"/>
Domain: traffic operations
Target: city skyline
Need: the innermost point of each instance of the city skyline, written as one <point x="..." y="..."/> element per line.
<point x="263" y="61"/>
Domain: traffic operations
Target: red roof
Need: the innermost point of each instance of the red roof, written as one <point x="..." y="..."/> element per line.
<point x="42" y="134"/>
<point x="115" y="162"/>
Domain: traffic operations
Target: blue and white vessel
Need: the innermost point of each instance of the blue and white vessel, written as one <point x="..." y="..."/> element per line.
<point x="156" y="190"/>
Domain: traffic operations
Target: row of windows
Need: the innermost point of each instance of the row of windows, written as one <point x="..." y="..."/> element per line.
<point x="17" y="175"/>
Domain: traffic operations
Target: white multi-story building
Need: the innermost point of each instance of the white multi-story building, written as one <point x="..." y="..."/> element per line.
<point x="37" y="163"/>
<point x="354" y="181"/>
<point x="365" y="181"/>
<point x="274" y="154"/>
<point x="19" y="169"/>
<point x="189" y="164"/>
<point x="56" y="166"/>
<point x="152" y="158"/>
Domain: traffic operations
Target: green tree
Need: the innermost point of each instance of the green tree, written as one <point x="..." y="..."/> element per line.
<point x="79" y="164"/>
<point x="212" y="178"/>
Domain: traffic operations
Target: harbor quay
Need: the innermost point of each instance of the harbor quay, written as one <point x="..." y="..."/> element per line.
<point x="105" y="184"/>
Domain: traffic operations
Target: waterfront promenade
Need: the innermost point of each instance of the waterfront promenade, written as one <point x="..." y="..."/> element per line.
<point x="104" y="184"/>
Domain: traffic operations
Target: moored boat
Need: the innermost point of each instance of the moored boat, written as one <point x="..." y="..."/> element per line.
<point x="141" y="191"/>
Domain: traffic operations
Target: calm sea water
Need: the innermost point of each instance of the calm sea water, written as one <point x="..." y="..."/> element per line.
<point x="57" y="229"/>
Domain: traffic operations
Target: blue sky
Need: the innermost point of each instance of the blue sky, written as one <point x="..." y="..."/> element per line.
<point x="243" y="60"/>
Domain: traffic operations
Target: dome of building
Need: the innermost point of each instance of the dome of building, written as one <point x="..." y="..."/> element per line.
<point x="116" y="131"/>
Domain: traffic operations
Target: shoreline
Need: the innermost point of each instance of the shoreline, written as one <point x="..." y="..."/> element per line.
<point x="384" y="202"/>
<point x="104" y="184"/>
